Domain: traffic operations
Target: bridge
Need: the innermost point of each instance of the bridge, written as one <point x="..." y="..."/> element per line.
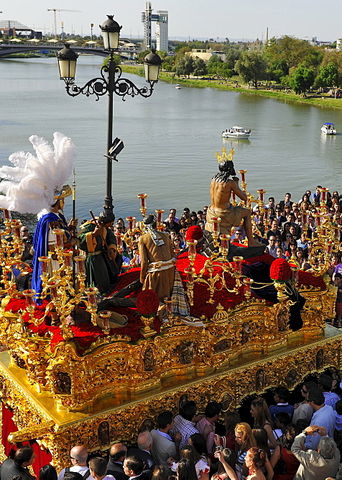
<point x="7" y="49"/>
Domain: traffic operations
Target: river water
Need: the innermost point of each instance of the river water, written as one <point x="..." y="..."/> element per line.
<point x="170" y="138"/>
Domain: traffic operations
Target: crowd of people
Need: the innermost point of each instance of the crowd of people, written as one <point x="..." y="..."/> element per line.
<point x="263" y="440"/>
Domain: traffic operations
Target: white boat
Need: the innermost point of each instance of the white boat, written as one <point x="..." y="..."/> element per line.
<point x="328" y="128"/>
<point x="178" y="87"/>
<point x="236" y="132"/>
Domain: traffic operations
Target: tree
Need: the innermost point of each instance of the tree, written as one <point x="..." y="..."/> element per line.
<point x="292" y="51"/>
<point x="185" y="65"/>
<point x="251" y="67"/>
<point x="213" y="64"/>
<point x="328" y="76"/>
<point x="224" y="71"/>
<point x="301" y="79"/>
<point x="200" y="67"/>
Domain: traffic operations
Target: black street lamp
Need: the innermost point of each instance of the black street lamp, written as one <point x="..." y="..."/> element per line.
<point x="110" y="81"/>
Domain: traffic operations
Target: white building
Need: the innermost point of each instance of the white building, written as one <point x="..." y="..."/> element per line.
<point x="162" y="33"/>
<point x="162" y="36"/>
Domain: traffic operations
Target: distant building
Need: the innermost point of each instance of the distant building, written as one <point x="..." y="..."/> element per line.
<point x="339" y="44"/>
<point x="205" y="55"/>
<point x="12" y="28"/>
<point x="162" y="36"/>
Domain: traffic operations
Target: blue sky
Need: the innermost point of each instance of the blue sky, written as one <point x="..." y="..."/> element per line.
<point x="234" y="19"/>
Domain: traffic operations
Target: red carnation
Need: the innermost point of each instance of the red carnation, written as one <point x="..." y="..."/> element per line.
<point x="147" y="303"/>
<point x="280" y="270"/>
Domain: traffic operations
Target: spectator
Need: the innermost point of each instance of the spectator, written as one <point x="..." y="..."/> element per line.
<point x="323" y="415"/>
<point x="206" y="426"/>
<point x="283" y="461"/>
<point x="325" y="385"/>
<point x="338" y="424"/>
<point x="281" y="397"/>
<point x="186" y="470"/>
<point x="78" y="457"/>
<point x="262" y="419"/>
<point x="244" y="439"/>
<point x="184" y="422"/>
<point x="117" y="454"/>
<point x="225" y="457"/>
<point x="17" y="467"/>
<point x="134" y="468"/>
<point x="255" y="462"/>
<point x="163" y="445"/>
<point x="98" y="467"/>
<point x="316" y="465"/>
<point x="304" y="411"/>
<point x="272" y="246"/>
<point x="48" y="472"/>
<point x="143" y="451"/>
<point x="160" y="473"/>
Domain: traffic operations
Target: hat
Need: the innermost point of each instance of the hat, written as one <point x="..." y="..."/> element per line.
<point x="193" y="233"/>
<point x="149" y="220"/>
<point x="63" y="192"/>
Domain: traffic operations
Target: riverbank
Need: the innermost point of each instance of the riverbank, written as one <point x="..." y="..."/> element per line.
<point x="321" y="102"/>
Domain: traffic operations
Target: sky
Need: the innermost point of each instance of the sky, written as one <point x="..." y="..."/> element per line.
<point x="194" y="19"/>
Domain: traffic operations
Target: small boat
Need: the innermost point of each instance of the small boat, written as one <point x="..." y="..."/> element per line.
<point x="178" y="87"/>
<point x="328" y="128"/>
<point x="236" y="132"/>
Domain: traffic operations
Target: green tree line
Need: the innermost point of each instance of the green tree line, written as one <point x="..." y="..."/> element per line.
<point x="286" y="62"/>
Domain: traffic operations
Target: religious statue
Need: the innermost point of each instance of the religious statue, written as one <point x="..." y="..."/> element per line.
<point x="223" y="184"/>
<point x="103" y="262"/>
<point x="157" y="260"/>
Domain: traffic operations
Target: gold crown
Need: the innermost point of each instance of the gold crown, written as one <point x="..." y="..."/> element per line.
<point x="223" y="156"/>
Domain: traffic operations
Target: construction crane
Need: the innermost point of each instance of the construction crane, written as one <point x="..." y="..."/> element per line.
<point x="55" y="10"/>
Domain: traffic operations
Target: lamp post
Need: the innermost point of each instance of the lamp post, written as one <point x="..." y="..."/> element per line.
<point x="110" y="81"/>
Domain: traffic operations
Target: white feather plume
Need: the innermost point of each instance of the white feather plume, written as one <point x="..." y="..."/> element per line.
<point x="29" y="185"/>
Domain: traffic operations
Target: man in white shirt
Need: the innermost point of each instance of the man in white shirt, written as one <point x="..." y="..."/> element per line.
<point x="78" y="457"/>
<point x="98" y="468"/>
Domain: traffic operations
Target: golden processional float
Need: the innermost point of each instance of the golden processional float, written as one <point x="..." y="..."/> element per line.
<point x="92" y="384"/>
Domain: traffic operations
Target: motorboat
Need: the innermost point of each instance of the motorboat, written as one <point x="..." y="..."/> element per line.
<point x="328" y="128"/>
<point x="236" y="132"/>
<point x="178" y="87"/>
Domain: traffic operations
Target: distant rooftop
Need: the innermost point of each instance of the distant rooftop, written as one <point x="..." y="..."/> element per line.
<point x="13" y="24"/>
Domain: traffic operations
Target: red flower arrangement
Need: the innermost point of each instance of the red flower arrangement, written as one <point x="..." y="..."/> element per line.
<point x="147" y="303"/>
<point x="280" y="270"/>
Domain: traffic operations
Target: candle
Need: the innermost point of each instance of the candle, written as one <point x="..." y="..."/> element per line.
<point x="224" y="240"/>
<point x="29" y="294"/>
<point x="318" y="219"/>
<point x="91" y="295"/>
<point x="53" y="289"/>
<point x="159" y="214"/>
<point x="67" y="259"/>
<point x="45" y="263"/>
<point x="105" y="316"/>
<point x="323" y="192"/>
<point x="238" y="263"/>
<point x="142" y="197"/>
<point x="192" y="249"/>
<point x="130" y="221"/>
<point x="80" y="264"/>
<point x="216" y="224"/>
<point x="118" y="240"/>
<point x="243" y="173"/>
<point x="261" y="193"/>
<point x="6" y="214"/>
<point x="16" y="228"/>
<point x="233" y="196"/>
<point x="59" y="237"/>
